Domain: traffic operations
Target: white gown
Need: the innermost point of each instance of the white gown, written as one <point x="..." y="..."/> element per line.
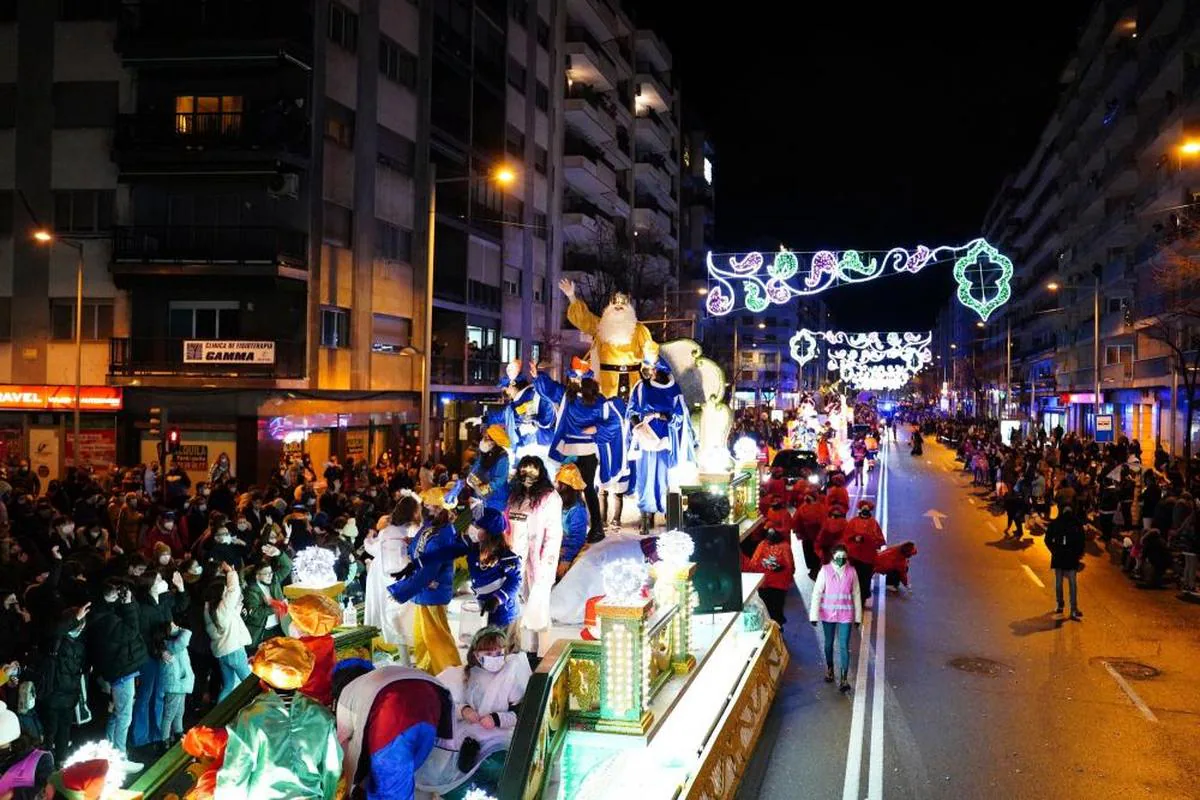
<point x="585" y="580"/>
<point x="389" y="551"/>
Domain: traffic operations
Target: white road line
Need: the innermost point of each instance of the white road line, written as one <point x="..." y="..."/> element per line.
<point x="992" y="526"/>
<point x="971" y="500"/>
<point x="1133" y="696"/>
<point x="875" y="768"/>
<point x="1033" y="576"/>
<point x="855" y="746"/>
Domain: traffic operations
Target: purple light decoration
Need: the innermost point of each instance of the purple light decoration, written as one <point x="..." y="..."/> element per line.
<point x="719" y="304"/>
<point x="777" y="291"/>
<point x="917" y="259"/>
<point x="748" y="265"/>
<point x="823" y="263"/>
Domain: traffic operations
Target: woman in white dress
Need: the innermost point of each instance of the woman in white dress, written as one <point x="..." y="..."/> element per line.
<point x="389" y="550"/>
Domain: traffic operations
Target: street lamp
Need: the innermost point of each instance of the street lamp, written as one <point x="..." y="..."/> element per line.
<point x="43" y="236"/>
<point x="502" y="175"/>
<point x="1052" y="286"/>
<point x="1190" y="148"/>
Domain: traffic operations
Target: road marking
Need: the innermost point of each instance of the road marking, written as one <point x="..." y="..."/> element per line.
<point x="855" y="746"/>
<point x="875" y="770"/>
<point x="971" y="500"/>
<point x="1033" y="576"/>
<point x="936" y="516"/>
<point x="1130" y="693"/>
<point x="992" y="526"/>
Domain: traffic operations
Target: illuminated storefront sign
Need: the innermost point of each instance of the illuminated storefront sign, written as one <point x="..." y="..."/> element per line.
<point x="59" y="398"/>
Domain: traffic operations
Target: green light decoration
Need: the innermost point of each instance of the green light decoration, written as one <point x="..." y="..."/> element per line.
<point x="851" y="262"/>
<point x="785" y="265"/>
<point x="754" y="300"/>
<point x="979" y="267"/>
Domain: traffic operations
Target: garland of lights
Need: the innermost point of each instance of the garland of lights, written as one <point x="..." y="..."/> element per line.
<point x="982" y="272"/>
<point x="860" y="358"/>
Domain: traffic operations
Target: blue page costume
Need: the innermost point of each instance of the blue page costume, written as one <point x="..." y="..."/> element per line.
<point x="661" y="424"/>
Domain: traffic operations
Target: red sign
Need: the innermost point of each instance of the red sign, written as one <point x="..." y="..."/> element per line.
<point x="59" y="398"/>
<point x="97" y="447"/>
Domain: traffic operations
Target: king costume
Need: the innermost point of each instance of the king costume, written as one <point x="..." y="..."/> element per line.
<point x="619" y="362"/>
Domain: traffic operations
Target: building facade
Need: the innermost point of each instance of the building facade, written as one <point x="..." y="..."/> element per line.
<point x="1106" y="196"/>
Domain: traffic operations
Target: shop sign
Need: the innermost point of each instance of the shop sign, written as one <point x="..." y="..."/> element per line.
<point x="220" y="351"/>
<point x="192" y="457"/>
<point x="59" y="398"/>
<point x="356" y="445"/>
<point x="1081" y="398"/>
<point x="1104" y="427"/>
<point x="97" y="447"/>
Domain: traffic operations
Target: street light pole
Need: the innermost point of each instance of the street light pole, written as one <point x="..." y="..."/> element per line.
<point x="78" y="346"/>
<point x="1096" y="352"/>
<point x="1008" y="367"/>
<point x="427" y="346"/>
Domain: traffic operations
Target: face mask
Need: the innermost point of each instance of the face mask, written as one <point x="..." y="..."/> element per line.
<point x="137" y="572"/>
<point x="164" y="559"/>
<point x="67" y="529"/>
<point x="168" y="525"/>
<point x="474" y="534"/>
<point x="773" y="536"/>
<point x="243" y="525"/>
<point x="491" y="663"/>
<point x="206" y="492"/>
<point x="864" y="513"/>
<point x="110" y="597"/>
<point x="840" y="559"/>
<point x="196" y="569"/>
<point x="486" y="446"/>
<point x="202" y="507"/>
<point x="223" y="538"/>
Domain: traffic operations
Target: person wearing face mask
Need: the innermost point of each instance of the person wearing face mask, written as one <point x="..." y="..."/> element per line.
<point x="662" y="424"/>
<point x="25" y="481"/>
<point x="806" y="523"/>
<point x="486" y="693"/>
<point x="863" y="538"/>
<point x="836" y="604"/>
<point x="62" y="535"/>
<point x="117" y="651"/>
<point x="535" y="516"/>
<point x="388" y="550"/>
<point x="778" y="517"/>
<point x="224" y="546"/>
<point x="773" y="558"/>
<point x="833" y="531"/>
<point x="194" y="521"/>
<point x="590" y="429"/>
<point x="128" y="523"/>
<point x="166" y="533"/>
<point x="263" y="596"/>
<point x="157" y="605"/>
<point x="227" y="632"/>
<point x="488" y="478"/>
<point x="57" y="672"/>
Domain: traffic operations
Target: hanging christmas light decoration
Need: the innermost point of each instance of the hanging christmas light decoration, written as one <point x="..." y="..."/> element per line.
<point x="872" y="360"/>
<point x="982" y="272"/>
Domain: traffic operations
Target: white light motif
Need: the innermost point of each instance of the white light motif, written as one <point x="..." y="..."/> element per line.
<point x="708" y="172"/>
<point x="102" y="750"/>
<point x="745" y="450"/>
<point x="675" y="548"/>
<point x="475" y="793"/>
<point x="623" y="581"/>
<point x="867" y="360"/>
<point x="312" y="568"/>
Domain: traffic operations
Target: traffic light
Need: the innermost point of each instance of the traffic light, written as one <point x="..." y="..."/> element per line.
<point x="158" y="423"/>
<point x="172" y="440"/>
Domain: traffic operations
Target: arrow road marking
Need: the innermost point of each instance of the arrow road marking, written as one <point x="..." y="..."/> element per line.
<point x="936" y="517"/>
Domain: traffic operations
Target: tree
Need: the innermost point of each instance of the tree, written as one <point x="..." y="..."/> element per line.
<point x="608" y="262"/>
<point x="1169" y="310"/>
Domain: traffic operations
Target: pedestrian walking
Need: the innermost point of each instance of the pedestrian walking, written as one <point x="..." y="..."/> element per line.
<point x="774" y="558"/>
<point x="1065" y="540"/>
<point x="836" y="603"/>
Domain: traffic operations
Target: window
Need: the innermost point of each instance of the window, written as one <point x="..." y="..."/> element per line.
<point x="1118" y="354"/>
<point x="339" y="225"/>
<point x="539" y="290"/>
<point x="208" y="115"/>
<point x="397" y="64"/>
<point x="80" y="211"/>
<point x="390" y="334"/>
<point x="540" y="225"/>
<point x="535" y="352"/>
<point x="516" y="75"/>
<point x="519" y="10"/>
<point x="339" y="123"/>
<point x="541" y="96"/>
<point x="540" y="158"/>
<point x="5" y="319"/>
<point x="514" y="141"/>
<point x="510" y="349"/>
<point x="512" y="281"/>
<point x="543" y="33"/>
<point x="396" y="152"/>
<point x="6" y="212"/>
<point x="97" y="319"/>
<point x="343" y="27"/>
<point x="85" y="104"/>
<point x="203" y="319"/>
<point x="335" y="327"/>
<point x="1115" y="305"/>
<point x="392" y="243"/>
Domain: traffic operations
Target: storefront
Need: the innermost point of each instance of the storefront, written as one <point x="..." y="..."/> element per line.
<point x="37" y="422"/>
<point x="1137" y="414"/>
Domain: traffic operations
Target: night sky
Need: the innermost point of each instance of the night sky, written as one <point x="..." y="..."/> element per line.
<point x="850" y="125"/>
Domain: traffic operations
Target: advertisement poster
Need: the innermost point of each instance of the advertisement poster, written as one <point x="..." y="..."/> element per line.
<point x="210" y="351"/>
<point x="43" y="453"/>
<point x="97" y="447"/>
<point x="192" y="457"/>
<point x="356" y="445"/>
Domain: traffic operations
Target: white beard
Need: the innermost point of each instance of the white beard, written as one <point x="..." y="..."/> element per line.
<point x="617" y="326"/>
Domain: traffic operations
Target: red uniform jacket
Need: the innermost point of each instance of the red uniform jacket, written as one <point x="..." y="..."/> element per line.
<point x="780" y="520"/>
<point x="833" y="531"/>
<point x="838" y="496"/>
<point x="863" y="538"/>
<point x="809" y="519"/>
<point x="319" y="685"/>
<point x="891" y="559"/>
<point x="782" y="551"/>
<point x="771" y="487"/>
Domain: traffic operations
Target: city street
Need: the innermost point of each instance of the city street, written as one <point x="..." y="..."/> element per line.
<point x="975" y="688"/>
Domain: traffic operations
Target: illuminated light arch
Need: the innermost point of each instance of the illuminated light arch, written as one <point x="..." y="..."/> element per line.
<point x="869" y="360"/>
<point x="982" y="272"/>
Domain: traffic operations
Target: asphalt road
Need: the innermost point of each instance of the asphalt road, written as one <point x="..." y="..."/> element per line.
<point x="976" y="689"/>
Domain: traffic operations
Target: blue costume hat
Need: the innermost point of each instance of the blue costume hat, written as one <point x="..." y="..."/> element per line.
<point x="492" y="521"/>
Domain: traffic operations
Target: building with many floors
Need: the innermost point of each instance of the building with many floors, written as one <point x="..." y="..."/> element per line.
<point x="1103" y="199"/>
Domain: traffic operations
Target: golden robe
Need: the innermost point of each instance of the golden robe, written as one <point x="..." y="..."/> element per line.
<point x="618" y="358"/>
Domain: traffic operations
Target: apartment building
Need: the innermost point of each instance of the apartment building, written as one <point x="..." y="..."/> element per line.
<point x="620" y="159"/>
<point x="1104" y="197"/>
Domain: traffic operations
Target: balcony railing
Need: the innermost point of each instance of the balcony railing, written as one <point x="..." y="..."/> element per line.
<point x="465" y="371"/>
<point x="209" y="244"/>
<point x="270" y="130"/>
<point x="165" y="356"/>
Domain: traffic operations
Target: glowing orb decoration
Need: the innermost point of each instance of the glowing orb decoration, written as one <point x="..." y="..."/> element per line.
<point x="623" y="581"/>
<point x="982" y="272"/>
<point x="102" y="750"/>
<point x="312" y="568"/>
<point x="745" y="450"/>
<point x="675" y="548"/>
<point x="475" y="793"/>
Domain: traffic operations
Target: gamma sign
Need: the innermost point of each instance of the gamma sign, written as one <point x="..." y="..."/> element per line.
<point x="221" y="351"/>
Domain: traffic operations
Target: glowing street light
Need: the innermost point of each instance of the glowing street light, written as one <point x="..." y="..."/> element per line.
<point x="1052" y="286"/>
<point x="1190" y="148"/>
<point x="504" y="176"/>
<point x="43" y="236"/>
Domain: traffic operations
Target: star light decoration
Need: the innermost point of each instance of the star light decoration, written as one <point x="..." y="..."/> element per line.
<point x="983" y="274"/>
<point x="623" y="581"/>
<point x="312" y="568"/>
<point x="102" y="750"/>
<point x="867" y="360"/>
<point x="675" y="548"/>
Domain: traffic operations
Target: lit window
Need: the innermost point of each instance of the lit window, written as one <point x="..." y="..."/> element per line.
<point x="208" y="115"/>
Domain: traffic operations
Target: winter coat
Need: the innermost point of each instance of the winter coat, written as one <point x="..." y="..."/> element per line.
<point x="57" y="672"/>
<point x="258" y="608"/>
<point x="224" y="621"/>
<point x="152" y="616"/>
<point x="177" y="675"/>
<point x="833" y="531"/>
<point x="775" y="561"/>
<point x="1065" y="540"/>
<point x="115" y="645"/>
<point x="892" y="559"/>
<point x="863" y="538"/>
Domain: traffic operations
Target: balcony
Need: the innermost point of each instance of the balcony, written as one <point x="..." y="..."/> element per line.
<point x="652" y="51"/>
<point x="465" y="371"/>
<point x="589" y="176"/>
<point x="268" y="31"/>
<point x="1152" y="368"/>
<point x="579" y="221"/>
<point x="653" y="91"/>
<point x="651" y="177"/>
<point x="651" y="133"/>
<point x="651" y="221"/>
<point x="590" y="115"/>
<point x="209" y="250"/>
<point x="137" y="357"/>
<point x="587" y="62"/>
<point x="160" y="143"/>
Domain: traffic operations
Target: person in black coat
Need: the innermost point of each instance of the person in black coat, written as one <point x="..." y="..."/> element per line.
<point x="117" y="652"/>
<point x="57" y="672"/>
<point x="1065" y="539"/>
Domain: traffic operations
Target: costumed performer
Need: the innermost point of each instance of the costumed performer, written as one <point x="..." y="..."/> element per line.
<point x="431" y="588"/>
<point x="494" y="569"/>
<point x="892" y="563"/>
<point x="618" y="339"/>
<point x="833" y="532"/>
<point x="388" y="549"/>
<point x="535" y="535"/>
<point x="283" y="746"/>
<point x="486" y="692"/>
<point x="488" y="478"/>
<point x="589" y="430"/>
<point x="388" y="720"/>
<point x="810" y="515"/>
<point x="314" y="616"/>
<point x="863" y="538"/>
<point x="662" y="426"/>
<point x="528" y="419"/>
<point x="569" y="484"/>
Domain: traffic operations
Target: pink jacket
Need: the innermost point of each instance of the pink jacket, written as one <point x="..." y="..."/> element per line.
<point x="836" y="595"/>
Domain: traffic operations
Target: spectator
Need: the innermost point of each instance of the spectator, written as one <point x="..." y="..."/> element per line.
<point x="178" y="679"/>
<point x="1065" y="540"/>
<point x="226" y="630"/>
<point x="117" y="652"/>
<point x="58" y="678"/>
